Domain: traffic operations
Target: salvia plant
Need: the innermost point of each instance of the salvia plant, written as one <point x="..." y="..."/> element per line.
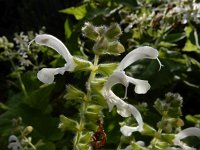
<point x="101" y="108"/>
<point x="88" y="127"/>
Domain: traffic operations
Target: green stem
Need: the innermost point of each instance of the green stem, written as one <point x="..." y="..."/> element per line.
<point x="20" y="79"/>
<point x="32" y="146"/>
<point x="85" y="103"/>
<point x="159" y="132"/>
<point x="195" y="35"/>
<point x="28" y="141"/>
<point x="92" y="75"/>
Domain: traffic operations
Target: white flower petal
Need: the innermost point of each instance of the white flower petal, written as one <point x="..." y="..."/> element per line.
<point x="122" y="108"/>
<point x="137" y="54"/>
<point x="46" y="75"/>
<point x="129" y="147"/>
<point x="141" y="86"/>
<point x="57" y="45"/>
<point x="192" y="131"/>
<point x="115" y="78"/>
<point x="127" y="130"/>
<point x="137" y="116"/>
<point x="113" y="100"/>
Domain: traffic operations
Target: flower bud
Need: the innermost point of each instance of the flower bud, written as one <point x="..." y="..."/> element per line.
<point x="107" y="69"/>
<point x="74" y="93"/>
<point x="94" y="108"/>
<point x="67" y="124"/>
<point x="85" y="138"/>
<point x="113" y="32"/>
<point x="82" y="64"/>
<point x="116" y="48"/>
<point x="97" y="84"/>
<point x="148" y="130"/>
<point x="167" y="137"/>
<point x="82" y="146"/>
<point x="28" y="130"/>
<point x="90" y="31"/>
<point x="101" y="46"/>
<point x="91" y="116"/>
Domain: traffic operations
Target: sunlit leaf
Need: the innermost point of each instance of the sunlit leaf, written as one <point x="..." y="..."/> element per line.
<point x="78" y="12"/>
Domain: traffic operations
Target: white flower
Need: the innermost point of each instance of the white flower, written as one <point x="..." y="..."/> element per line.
<point x="46" y="75"/>
<point x="192" y="131"/>
<point x="14" y="143"/>
<point x="141" y="87"/>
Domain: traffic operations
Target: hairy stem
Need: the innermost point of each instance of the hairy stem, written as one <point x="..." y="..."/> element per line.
<point x="85" y="102"/>
<point x="19" y="79"/>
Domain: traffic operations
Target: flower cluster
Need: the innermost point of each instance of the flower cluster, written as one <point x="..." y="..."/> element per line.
<point x="141" y="87"/>
<point x="118" y="76"/>
<point x="186" y="11"/>
<point x="46" y="75"/>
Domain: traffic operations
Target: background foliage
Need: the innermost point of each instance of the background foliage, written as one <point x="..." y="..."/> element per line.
<point x="147" y="22"/>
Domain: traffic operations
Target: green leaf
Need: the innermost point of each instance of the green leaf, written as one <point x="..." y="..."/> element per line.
<point x="194" y="119"/>
<point x="47" y="146"/>
<point x="189" y="47"/>
<point x="78" y="12"/>
<point x="68" y="31"/>
<point x="39" y="98"/>
<point x="166" y="44"/>
<point x="175" y="37"/>
<point x="44" y="125"/>
<point x="3" y="106"/>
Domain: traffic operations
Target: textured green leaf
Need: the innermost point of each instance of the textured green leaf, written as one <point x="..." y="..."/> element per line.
<point x="68" y="30"/>
<point x="78" y="12"/>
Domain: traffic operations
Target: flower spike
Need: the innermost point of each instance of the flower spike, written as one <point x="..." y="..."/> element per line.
<point x="141" y="86"/>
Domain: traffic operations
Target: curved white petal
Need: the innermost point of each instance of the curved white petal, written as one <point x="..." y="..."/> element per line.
<point x="124" y="109"/>
<point x="46" y="75"/>
<point x="192" y="131"/>
<point x="141" y="86"/>
<point x="137" y="116"/>
<point x="137" y="54"/>
<point x="56" y="44"/>
<point x="114" y="100"/>
<point x="127" y="130"/>
<point x="115" y="78"/>
<point x="129" y="147"/>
